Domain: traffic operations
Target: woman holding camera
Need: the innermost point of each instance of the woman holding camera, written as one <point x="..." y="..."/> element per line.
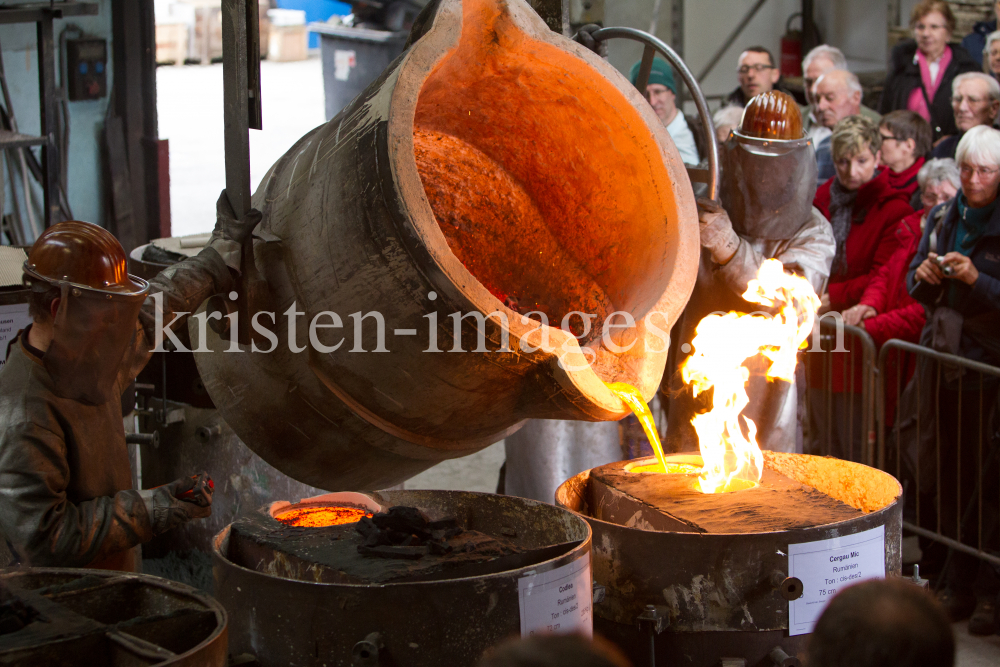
<point x="956" y="275"/>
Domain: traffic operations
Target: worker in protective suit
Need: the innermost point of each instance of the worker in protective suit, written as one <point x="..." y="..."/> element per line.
<point x="767" y="188"/>
<point x="66" y="496"/>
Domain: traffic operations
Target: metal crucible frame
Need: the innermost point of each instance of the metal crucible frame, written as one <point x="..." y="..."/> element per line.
<point x="653" y="45"/>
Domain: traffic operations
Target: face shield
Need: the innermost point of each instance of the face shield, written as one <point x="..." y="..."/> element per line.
<point x="768" y="185"/>
<point x="93" y="339"/>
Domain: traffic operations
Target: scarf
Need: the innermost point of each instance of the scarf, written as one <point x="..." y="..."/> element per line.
<point x="906" y="180"/>
<point x="917" y="102"/>
<point x="972" y="222"/>
<point x="841" y="212"/>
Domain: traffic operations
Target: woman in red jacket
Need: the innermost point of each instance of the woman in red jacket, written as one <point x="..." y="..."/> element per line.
<point x="906" y="138"/>
<point x="864" y="211"/>
<point x="886" y="309"/>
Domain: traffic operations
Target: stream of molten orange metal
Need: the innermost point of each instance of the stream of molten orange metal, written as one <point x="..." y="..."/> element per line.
<point x="631" y="397"/>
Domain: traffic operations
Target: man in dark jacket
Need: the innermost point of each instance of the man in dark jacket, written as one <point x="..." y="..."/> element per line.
<point x="66" y="497"/>
<point x="975" y="41"/>
<point x="757" y="74"/>
<point x="904" y="77"/>
<point x="975" y="100"/>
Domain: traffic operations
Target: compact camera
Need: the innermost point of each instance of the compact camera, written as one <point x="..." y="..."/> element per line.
<point x="945" y="268"/>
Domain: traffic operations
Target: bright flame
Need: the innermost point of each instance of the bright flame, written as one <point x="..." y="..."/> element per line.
<point x="721" y="345"/>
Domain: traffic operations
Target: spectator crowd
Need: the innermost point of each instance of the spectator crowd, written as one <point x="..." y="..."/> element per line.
<point x="909" y="189"/>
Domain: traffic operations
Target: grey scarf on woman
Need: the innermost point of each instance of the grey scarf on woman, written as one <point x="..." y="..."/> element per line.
<point x="841" y="212"/>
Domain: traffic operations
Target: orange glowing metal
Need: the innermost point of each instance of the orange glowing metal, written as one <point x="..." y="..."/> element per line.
<point x="722" y="343"/>
<point x="671" y="468"/>
<point x="631" y="397"/>
<point x="318" y="517"/>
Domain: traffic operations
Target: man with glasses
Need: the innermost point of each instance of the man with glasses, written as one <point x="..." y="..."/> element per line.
<point x="757" y="74"/>
<point x="837" y="95"/>
<point x="821" y="60"/>
<point x="975" y="100"/>
<point x="661" y="93"/>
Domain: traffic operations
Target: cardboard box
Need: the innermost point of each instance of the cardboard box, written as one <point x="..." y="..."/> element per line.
<point x="172" y="43"/>
<point x="287" y="43"/>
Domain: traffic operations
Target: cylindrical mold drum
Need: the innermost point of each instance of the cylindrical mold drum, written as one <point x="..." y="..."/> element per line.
<point x="438" y="621"/>
<point x="97" y="618"/>
<point x="719" y="594"/>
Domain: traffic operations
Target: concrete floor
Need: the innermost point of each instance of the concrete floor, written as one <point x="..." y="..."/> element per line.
<point x="478" y="472"/>
<point x="189" y="105"/>
<point x="189" y="100"/>
<point x="975" y="651"/>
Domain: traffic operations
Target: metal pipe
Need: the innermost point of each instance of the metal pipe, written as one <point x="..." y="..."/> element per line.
<point x="690" y="82"/>
<point x="947" y="541"/>
<point x="939" y="356"/>
<point x="645" y="68"/>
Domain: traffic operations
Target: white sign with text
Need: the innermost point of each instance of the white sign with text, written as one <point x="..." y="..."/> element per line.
<point x="557" y="601"/>
<point x="826" y="566"/>
<point x="13" y="318"/>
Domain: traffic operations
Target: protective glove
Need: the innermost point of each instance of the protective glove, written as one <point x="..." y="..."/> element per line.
<point x="585" y="37"/>
<point x="178" y="502"/>
<point x="717" y="233"/>
<point x="231" y="233"/>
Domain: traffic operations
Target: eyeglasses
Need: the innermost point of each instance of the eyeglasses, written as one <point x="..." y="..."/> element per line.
<point x="920" y="27"/>
<point x="759" y="67"/>
<point x="958" y="99"/>
<point x="931" y="199"/>
<point x="981" y="172"/>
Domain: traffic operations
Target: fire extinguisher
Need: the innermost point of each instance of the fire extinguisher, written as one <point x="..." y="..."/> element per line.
<point x="791" y="49"/>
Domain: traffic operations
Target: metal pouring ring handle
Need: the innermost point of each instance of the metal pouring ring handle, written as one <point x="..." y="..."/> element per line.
<point x="653" y="44"/>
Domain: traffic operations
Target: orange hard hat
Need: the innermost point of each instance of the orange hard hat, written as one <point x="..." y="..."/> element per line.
<point x="772" y="115"/>
<point x="84" y="255"/>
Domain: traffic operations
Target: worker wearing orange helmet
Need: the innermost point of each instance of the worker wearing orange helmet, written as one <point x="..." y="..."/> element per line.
<point x="767" y="188"/>
<point x="66" y="496"/>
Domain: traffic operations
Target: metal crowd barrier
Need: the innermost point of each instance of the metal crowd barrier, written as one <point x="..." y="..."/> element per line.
<point x="840" y="421"/>
<point x="962" y="507"/>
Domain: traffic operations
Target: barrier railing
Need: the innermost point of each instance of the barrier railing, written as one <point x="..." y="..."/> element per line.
<point x="940" y="441"/>
<point x="840" y="393"/>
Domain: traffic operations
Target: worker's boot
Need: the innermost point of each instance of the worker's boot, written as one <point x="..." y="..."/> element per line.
<point x="984" y="619"/>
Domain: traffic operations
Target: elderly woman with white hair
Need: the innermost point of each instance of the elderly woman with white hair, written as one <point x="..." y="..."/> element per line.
<point x="955" y="273"/>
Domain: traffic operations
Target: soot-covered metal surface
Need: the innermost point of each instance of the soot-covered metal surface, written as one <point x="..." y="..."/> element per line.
<point x="717" y="580"/>
<point x="72" y="617"/>
<point x="310" y="596"/>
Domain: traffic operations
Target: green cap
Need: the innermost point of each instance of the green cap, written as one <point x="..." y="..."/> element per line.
<point x="661" y="74"/>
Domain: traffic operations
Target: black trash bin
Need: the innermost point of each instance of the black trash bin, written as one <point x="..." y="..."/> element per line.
<point x="352" y="59"/>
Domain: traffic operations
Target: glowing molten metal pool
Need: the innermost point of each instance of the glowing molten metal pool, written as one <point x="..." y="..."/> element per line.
<point x="321" y="516"/>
